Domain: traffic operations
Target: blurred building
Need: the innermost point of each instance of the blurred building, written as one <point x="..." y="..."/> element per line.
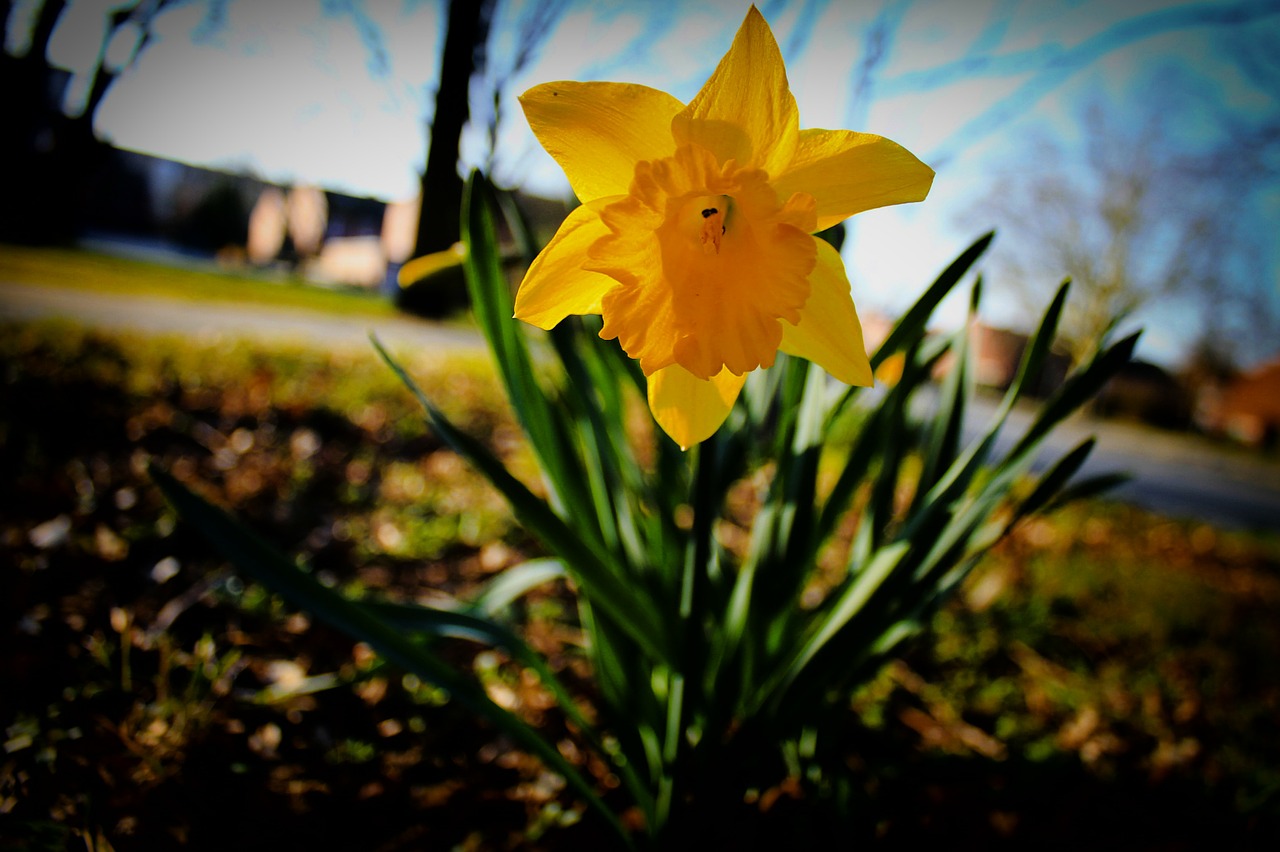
<point x="322" y="235"/>
<point x="1245" y="408"/>
<point x="1147" y="393"/>
<point x="997" y="355"/>
<point x="268" y="226"/>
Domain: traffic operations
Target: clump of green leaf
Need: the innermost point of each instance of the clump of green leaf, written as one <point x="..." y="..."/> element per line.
<point x="718" y="667"/>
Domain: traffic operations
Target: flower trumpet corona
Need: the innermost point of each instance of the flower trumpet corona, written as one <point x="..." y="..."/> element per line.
<point x="694" y="240"/>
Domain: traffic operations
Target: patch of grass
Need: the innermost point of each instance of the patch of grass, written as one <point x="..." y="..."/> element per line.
<point x="162" y="699"/>
<point x="1113" y="644"/>
<point x="80" y="269"/>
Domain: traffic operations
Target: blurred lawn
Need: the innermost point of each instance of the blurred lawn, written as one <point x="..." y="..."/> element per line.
<point x="1107" y="678"/>
<point x="77" y="268"/>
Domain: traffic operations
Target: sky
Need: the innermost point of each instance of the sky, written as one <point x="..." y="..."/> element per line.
<point x="338" y="92"/>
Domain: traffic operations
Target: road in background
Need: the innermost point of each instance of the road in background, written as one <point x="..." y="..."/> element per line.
<point x="160" y="315"/>
<point x="1174" y="474"/>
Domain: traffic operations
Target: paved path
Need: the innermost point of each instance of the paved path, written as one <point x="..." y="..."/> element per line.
<point x="1174" y="474"/>
<point x="263" y="322"/>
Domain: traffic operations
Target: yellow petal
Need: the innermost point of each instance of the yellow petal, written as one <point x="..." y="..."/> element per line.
<point x="430" y="264"/>
<point x="745" y="111"/>
<point x="690" y="409"/>
<point x="597" y="132"/>
<point x="829" y="333"/>
<point x="556" y="285"/>
<point x="848" y="172"/>
<point x="639" y="312"/>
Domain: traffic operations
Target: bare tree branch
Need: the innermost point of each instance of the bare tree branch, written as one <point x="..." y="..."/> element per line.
<point x="1050" y="64"/>
<point x="1132" y="222"/>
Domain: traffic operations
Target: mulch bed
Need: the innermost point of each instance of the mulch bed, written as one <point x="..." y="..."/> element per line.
<point x="136" y="667"/>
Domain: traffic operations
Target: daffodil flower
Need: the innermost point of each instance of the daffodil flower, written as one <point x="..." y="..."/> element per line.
<point x="694" y="240"/>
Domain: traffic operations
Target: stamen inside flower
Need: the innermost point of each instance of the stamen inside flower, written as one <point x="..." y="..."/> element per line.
<point x="713" y="225"/>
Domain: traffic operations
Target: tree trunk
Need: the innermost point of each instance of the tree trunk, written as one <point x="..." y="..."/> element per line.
<point x="48" y="158"/>
<point x="439" y="225"/>
<point x="468" y="29"/>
